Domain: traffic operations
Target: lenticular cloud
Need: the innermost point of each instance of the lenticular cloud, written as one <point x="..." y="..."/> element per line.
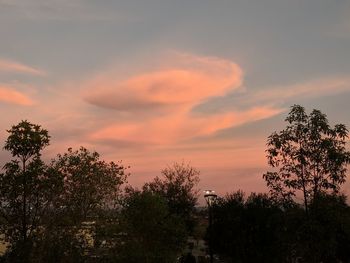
<point x="165" y="98"/>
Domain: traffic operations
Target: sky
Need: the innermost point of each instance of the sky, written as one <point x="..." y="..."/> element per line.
<point x="153" y="82"/>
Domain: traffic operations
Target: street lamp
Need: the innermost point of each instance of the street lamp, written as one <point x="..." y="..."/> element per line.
<point x="210" y="197"/>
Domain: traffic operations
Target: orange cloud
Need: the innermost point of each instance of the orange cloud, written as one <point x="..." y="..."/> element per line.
<point x="165" y="98"/>
<point x="10" y="95"/>
<point x="190" y="81"/>
<point x="12" y="66"/>
<point x="179" y="127"/>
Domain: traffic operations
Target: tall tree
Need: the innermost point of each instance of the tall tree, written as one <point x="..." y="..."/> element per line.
<point x="89" y="189"/>
<point x="23" y="185"/>
<point x="89" y="184"/>
<point x="309" y="156"/>
<point x="178" y="186"/>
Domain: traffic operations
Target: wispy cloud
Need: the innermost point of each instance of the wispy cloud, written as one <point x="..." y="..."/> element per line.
<point x="10" y="95"/>
<point x="312" y="88"/>
<point x="283" y="94"/>
<point x="175" y="128"/>
<point x="16" y="67"/>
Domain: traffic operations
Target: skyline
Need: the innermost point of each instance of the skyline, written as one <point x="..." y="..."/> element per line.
<point x="157" y="82"/>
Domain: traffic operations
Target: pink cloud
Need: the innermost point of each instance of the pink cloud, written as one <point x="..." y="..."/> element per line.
<point x="10" y="95"/>
<point x="313" y="88"/>
<point x="309" y="89"/>
<point x="178" y="127"/>
<point x="12" y="66"/>
<point x="188" y="81"/>
<point x="165" y="98"/>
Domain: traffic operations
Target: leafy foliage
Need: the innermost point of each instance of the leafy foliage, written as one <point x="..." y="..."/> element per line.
<point x="89" y="189"/>
<point x="76" y="210"/>
<point x="89" y="184"/>
<point x="324" y="236"/>
<point x="43" y="207"/>
<point x="255" y="229"/>
<point x="178" y="187"/>
<point x="148" y="232"/>
<point x="247" y="230"/>
<point x="23" y="192"/>
<point x="309" y="155"/>
<point x="26" y="140"/>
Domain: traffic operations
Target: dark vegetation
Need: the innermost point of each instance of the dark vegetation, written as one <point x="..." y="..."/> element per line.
<point x="79" y="208"/>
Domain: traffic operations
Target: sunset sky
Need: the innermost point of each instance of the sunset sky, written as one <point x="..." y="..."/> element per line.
<point x="152" y="82"/>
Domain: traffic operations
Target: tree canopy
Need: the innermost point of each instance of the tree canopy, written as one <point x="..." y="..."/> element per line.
<point x="309" y="156"/>
<point x="23" y="194"/>
<point x="88" y="182"/>
<point x="148" y="231"/>
<point x="77" y="208"/>
<point x="178" y="187"/>
<point x="26" y="140"/>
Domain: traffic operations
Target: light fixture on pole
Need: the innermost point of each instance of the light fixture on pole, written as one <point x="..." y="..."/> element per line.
<point x="210" y="197"/>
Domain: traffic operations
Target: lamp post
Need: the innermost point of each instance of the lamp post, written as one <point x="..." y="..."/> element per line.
<point x="210" y="197"/>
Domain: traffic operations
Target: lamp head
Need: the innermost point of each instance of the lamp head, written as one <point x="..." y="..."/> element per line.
<point x="210" y="196"/>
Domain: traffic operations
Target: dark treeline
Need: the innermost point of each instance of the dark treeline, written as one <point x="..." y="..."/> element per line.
<point x="256" y="229"/>
<point x="309" y="159"/>
<point x="79" y="208"/>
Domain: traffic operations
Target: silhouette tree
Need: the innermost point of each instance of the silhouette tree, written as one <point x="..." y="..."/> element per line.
<point x="323" y="235"/>
<point x="248" y="229"/>
<point x="178" y="187"/>
<point x="147" y="231"/>
<point x="227" y="224"/>
<point x="309" y="156"/>
<point x="89" y="184"/>
<point x="88" y="189"/>
<point x="24" y="193"/>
